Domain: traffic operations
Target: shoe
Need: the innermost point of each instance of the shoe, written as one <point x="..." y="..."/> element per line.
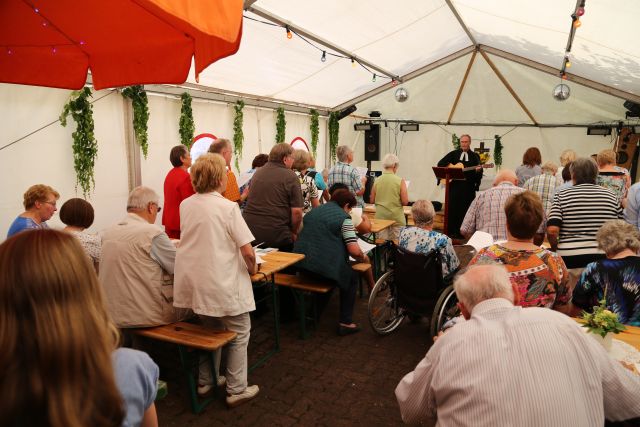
<point x="249" y="393"/>
<point x="206" y="388"/>
<point x="345" y="330"/>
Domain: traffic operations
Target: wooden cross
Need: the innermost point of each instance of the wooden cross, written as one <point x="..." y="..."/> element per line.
<point x="481" y="149"/>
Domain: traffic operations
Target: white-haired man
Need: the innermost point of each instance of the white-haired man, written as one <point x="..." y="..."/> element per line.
<point x="342" y="172"/>
<point x="486" y="212"/>
<point x="508" y="365"/>
<point x="136" y="268"/>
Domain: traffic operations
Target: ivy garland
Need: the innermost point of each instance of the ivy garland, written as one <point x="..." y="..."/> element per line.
<point x="140" y="103"/>
<point x="281" y="125"/>
<point x="455" y="141"/>
<point x="334" y="129"/>
<point x="187" y="127"/>
<point x="85" y="146"/>
<point x="315" y="130"/>
<point x="238" y="135"/>
<point x="497" y="152"/>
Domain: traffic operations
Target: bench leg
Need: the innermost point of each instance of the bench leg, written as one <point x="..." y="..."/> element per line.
<point x="187" y="361"/>
<point x="276" y="327"/>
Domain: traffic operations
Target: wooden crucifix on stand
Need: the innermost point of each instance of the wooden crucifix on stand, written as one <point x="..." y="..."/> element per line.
<point x="481" y="149"/>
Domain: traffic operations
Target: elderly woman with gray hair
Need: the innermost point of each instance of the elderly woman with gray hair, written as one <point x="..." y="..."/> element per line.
<point x="617" y="278"/>
<point x="389" y="194"/>
<point x="422" y="239"/>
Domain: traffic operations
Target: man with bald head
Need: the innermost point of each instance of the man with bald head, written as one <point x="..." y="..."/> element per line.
<point x="509" y="365"/>
<point x="486" y="212"/>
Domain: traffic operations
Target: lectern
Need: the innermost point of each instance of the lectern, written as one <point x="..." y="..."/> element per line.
<point x="448" y="174"/>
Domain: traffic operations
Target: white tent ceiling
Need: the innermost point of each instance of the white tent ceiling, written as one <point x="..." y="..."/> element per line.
<point x="404" y="38"/>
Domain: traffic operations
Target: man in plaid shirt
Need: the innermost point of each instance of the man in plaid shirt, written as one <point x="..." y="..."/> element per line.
<point x="346" y="174"/>
<point x="544" y="185"/>
<point x="486" y="212"/>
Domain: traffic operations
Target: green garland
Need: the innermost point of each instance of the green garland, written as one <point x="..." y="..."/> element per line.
<point x="281" y="125"/>
<point x="140" y="103"/>
<point x="315" y="130"/>
<point x="187" y="127"/>
<point x="497" y="152"/>
<point x="455" y="141"/>
<point x="334" y="130"/>
<point x="238" y="135"/>
<point x="85" y="146"/>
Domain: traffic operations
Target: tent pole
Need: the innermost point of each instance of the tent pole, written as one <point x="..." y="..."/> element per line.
<point x="461" y="22"/>
<point x="461" y="88"/>
<point x="508" y="86"/>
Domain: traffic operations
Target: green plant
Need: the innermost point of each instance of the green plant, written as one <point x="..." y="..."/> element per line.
<point x="85" y="146"/>
<point x="140" y="103"/>
<point x="602" y="321"/>
<point x="238" y="134"/>
<point x="497" y="152"/>
<point x="455" y="141"/>
<point x="334" y="130"/>
<point x="281" y="125"/>
<point x="315" y="130"/>
<point x="187" y="127"/>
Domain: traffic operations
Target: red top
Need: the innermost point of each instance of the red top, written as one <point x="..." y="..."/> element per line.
<point x="177" y="187"/>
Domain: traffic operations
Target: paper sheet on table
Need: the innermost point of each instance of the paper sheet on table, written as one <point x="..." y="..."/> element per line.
<point x="364" y="247"/>
<point x="362" y="171"/>
<point x="244" y="178"/>
<point x="480" y="240"/>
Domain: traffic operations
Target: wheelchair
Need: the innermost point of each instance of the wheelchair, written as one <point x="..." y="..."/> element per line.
<point x="413" y="287"/>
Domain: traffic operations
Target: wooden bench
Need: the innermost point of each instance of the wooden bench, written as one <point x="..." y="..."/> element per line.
<point x="187" y="337"/>
<point x="303" y="287"/>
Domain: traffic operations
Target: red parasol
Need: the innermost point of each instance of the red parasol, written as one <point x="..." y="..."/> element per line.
<point x="55" y="43"/>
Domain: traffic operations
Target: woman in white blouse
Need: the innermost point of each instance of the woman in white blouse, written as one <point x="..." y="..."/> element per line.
<point x="77" y="214"/>
<point x="213" y="264"/>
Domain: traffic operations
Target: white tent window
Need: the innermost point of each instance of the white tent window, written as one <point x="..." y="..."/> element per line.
<point x="298" y="143"/>
<point x="201" y="144"/>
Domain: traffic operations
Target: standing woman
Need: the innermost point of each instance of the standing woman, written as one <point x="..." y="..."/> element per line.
<point x="301" y="161"/>
<point x="177" y="187"/>
<point x="40" y="205"/>
<point x="390" y="194"/>
<point x="59" y="364"/>
<point x="530" y="166"/>
<point x="566" y="157"/>
<point x="213" y="263"/>
<point x="611" y="176"/>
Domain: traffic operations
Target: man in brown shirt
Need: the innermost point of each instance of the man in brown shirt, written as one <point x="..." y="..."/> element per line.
<point x="223" y="147"/>
<point x="274" y="207"/>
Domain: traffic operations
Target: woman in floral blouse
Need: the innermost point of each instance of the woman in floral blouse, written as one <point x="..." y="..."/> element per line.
<point x="422" y="239"/>
<point x="613" y="177"/>
<point x="301" y="160"/>
<point x="540" y="275"/>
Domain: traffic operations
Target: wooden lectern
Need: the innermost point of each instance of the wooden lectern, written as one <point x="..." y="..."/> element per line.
<point x="448" y="174"/>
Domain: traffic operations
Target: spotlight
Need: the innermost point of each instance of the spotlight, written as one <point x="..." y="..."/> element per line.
<point x="410" y="127"/>
<point x="344" y="113"/>
<point x="362" y="126"/>
<point x="599" y="130"/>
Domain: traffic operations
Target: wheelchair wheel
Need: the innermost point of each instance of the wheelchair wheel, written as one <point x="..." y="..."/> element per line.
<point x="446" y="309"/>
<point x="384" y="314"/>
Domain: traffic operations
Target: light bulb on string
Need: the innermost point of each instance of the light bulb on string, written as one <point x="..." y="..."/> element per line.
<point x="394" y="82"/>
<point x="82" y="43"/>
<point x="9" y="51"/>
<point x="374" y="78"/>
<point x="567" y="62"/>
<point x="576" y="23"/>
<point x="580" y="11"/>
<point x="36" y="10"/>
<point x="563" y="76"/>
<point x="54" y="50"/>
<point x="289" y="35"/>
<point x="323" y="58"/>
<point x="353" y="62"/>
<point x="44" y="23"/>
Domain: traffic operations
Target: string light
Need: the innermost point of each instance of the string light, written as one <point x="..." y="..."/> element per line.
<point x="44" y="23"/>
<point x="324" y="56"/>
<point x="564" y="76"/>
<point x="54" y="50"/>
<point x="576" y="23"/>
<point x="374" y="78"/>
<point x="394" y="82"/>
<point x="9" y="51"/>
<point x="580" y="11"/>
<point x="36" y="10"/>
<point x="289" y="35"/>
<point x="567" y="62"/>
<point x="353" y="62"/>
<point x="82" y="43"/>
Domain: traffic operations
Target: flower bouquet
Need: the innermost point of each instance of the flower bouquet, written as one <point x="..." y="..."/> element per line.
<point x="601" y="323"/>
<point x="484" y="157"/>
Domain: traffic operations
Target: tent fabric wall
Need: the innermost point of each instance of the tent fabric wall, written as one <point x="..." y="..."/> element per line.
<point x="46" y="156"/>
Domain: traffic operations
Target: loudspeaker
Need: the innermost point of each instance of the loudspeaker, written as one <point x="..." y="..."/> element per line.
<point x="344" y="113"/>
<point x="627" y="146"/>
<point x="372" y="143"/>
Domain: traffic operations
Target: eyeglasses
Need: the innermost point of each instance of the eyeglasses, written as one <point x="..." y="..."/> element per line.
<point x="159" y="208"/>
<point x="49" y="203"/>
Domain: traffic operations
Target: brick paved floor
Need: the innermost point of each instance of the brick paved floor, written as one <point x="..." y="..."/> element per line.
<point x="325" y="380"/>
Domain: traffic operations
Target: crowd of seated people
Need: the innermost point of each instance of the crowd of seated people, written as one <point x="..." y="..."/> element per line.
<point x="148" y="279"/>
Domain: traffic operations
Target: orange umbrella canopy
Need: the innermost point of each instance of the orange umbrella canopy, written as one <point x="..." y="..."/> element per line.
<point x="55" y="43"/>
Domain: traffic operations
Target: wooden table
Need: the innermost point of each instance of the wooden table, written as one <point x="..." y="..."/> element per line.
<point x="265" y="277"/>
<point x="631" y="336"/>
<point x="370" y="208"/>
<point x="377" y="225"/>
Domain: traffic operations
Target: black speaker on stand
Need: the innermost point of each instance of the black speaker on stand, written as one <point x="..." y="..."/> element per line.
<point x="372" y="145"/>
